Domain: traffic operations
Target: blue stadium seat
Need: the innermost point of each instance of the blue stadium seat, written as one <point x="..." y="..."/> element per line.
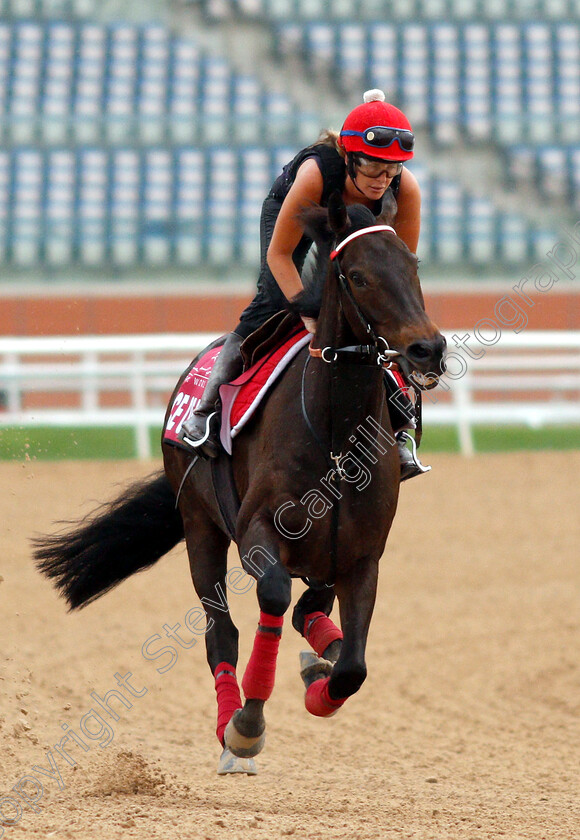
<point x="383" y="58"/>
<point x="157" y="206"/>
<point x="414" y="72"/>
<point x="477" y="84"/>
<point x="91" y="73"/>
<point x="93" y="174"/>
<point x="5" y="204"/>
<point x="445" y="80"/>
<point x="190" y="172"/>
<point x="255" y="180"/>
<point x="480" y="230"/>
<point x="128" y="205"/>
<point x="184" y="92"/>
<point x="60" y="207"/>
<point x="351" y="56"/>
<point x="28" y="207"/>
<point x="447" y="215"/>
<point x="5" y="73"/>
<point x="514" y="237"/>
<point x="221" y="205"/>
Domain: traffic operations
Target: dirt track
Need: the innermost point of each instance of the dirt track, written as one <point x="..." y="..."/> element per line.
<point x="467" y="726"/>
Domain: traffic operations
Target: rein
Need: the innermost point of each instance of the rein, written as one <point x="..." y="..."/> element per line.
<point x="365" y="354"/>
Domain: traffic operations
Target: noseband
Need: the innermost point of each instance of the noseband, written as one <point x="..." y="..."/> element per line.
<point x="371" y="353"/>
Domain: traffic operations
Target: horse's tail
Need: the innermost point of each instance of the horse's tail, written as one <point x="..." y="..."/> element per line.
<point x="118" y="539"/>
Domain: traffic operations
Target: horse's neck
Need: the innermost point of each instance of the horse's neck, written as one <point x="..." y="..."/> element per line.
<point x="343" y="395"/>
<point x="332" y="328"/>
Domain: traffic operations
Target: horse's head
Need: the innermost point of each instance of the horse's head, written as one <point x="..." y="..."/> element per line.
<point x="374" y="275"/>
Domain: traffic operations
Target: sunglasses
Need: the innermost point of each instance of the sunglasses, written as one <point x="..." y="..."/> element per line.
<point x="382" y="136"/>
<point x="376" y="169"/>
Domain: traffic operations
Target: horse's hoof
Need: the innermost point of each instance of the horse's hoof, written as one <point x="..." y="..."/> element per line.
<point x="241" y="745"/>
<point x="230" y="763"/>
<point x="313" y="668"/>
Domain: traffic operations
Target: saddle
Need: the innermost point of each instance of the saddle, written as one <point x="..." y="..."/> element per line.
<point x="266" y="352"/>
<point x="269" y="336"/>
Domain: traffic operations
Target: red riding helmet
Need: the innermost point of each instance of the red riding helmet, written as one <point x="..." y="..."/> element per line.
<point x="377" y="129"/>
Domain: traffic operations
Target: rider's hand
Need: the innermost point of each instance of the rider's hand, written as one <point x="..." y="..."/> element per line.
<point x="309" y="323"/>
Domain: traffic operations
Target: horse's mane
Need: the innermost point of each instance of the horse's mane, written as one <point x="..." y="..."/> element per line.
<point x="316" y="225"/>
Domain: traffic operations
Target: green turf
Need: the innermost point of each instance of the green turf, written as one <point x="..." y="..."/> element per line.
<point x="119" y="443"/>
<point x="71" y="444"/>
<point x="502" y="438"/>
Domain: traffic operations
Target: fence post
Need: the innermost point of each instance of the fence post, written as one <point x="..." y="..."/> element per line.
<point x="12" y="368"/>
<point x="463" y="400"/>
<point x="138" y="389"/>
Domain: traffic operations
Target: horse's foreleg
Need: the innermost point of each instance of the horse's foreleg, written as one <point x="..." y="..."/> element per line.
<point x="310" y="619"/>
<point x="356" y="595"/>
<point x="245" y="734"/>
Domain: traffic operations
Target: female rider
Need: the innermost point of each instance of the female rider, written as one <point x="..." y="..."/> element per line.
<point x="362" y="162"/>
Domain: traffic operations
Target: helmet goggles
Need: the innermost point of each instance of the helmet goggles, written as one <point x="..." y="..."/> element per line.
<point x="382" y="136"/>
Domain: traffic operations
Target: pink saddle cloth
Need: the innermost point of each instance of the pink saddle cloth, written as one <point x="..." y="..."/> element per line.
<point x="239" y="398"/>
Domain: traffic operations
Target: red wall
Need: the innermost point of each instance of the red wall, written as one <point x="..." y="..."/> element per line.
<point x="148" y="313"/>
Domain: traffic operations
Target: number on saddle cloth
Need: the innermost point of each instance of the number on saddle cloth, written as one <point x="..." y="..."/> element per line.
<point x="190" y="392"/>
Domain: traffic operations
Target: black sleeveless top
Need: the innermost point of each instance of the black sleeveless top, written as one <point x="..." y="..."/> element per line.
<point x="333" y="171"/>
<point x="269" y="298"/>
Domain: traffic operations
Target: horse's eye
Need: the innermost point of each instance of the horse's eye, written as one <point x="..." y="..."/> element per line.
<point x="357" y="279"/>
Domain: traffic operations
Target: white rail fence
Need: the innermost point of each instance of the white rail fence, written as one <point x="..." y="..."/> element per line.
<point x="530" y="378"/>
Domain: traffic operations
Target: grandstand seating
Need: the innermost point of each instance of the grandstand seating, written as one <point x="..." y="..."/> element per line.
<point x="91" y="83"/>
<point x="392" y="10"/>
<point x="188" y="206"/>
<point x="47" y="9"/>
<point x="554" y="169"/>
<point x="94" y="206"/>
<point x="503" y="81"/>
<point x="124" y="144"/>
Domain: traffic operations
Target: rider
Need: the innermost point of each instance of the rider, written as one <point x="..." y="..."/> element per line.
<point x="363" y="162"/>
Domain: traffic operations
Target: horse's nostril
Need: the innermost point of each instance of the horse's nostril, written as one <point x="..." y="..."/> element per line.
<point x="428" y="352"/>
<point x="420" y="350"/>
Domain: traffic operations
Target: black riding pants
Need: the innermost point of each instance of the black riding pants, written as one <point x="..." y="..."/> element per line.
<point x="269" y="298"/>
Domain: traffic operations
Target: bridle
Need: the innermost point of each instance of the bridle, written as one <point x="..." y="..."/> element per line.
<point x="378" y="350"/>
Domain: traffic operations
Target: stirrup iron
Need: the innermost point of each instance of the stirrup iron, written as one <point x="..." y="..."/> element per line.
<point x="411" y="466"/>
<point x="200" y="441"/>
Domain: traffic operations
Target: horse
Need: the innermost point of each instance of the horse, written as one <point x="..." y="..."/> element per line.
<point x="317" y="475"/>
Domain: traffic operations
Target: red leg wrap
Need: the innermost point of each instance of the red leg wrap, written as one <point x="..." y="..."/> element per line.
<point x="319" y="702"/>
<point x="228" y="696"/>
<point x="320" y="631"/>
<point x="258" y="682"/>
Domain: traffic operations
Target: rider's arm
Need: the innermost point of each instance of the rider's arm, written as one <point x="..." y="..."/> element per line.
<point x="306" y="189"/>
<point x="408" y="219"/>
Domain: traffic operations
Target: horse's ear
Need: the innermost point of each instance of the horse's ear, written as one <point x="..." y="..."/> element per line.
<point x="337" y="215"/>
<point x="314" y="220"/>
<point x="389" y="209"/>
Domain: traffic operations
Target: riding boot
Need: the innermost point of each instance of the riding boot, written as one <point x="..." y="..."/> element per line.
<point x="410" y="463"/>
<point x="402" y="416"/>
<point x="201" y="429"/>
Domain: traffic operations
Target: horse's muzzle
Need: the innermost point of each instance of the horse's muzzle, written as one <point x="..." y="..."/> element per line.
<point x="426" y="361"/>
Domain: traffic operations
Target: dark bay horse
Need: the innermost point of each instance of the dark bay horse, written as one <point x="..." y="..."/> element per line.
<point x="317" y="473"/>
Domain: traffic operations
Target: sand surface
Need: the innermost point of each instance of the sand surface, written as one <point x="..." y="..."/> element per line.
<point x="468" y="725"/>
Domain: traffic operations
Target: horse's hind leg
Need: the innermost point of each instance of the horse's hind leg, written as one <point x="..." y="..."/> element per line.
<point x="310" y="619"/>
<point x="245" y="734"/>
<point x="207" y="549"/>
